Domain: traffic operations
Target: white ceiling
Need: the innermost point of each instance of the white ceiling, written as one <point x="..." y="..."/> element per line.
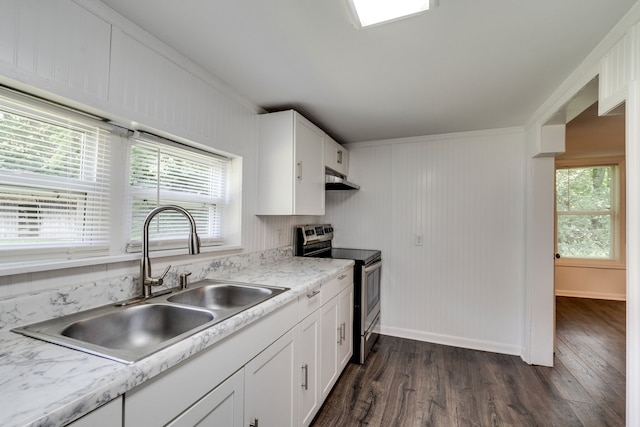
<point x="465" y="65"/>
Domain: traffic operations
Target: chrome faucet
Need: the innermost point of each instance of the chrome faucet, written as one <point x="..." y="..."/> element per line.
<point x="145" y="263"/>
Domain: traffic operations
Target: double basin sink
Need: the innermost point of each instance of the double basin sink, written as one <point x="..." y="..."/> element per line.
<point x="129" y="331"/>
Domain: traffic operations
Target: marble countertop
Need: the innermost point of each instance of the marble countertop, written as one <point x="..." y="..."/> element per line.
<point x="43" y="384"/>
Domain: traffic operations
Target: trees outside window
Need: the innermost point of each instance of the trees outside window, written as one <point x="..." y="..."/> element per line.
<point x="587" y="212"/>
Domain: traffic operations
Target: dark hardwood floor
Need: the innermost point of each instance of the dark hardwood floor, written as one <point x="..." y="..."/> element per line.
<point x="408" y="383"/>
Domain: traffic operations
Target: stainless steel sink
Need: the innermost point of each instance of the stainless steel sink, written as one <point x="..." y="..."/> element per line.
<point x="225" y="296"/>
<point x="130" y="331"/>
<point x="137" y="327"/>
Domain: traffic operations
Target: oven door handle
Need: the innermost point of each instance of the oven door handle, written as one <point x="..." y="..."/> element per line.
<point x="373" y="267"/>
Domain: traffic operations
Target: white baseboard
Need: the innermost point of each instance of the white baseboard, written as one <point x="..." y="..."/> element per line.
<point x="490" y="346"/>
<point x="592" y="295"/>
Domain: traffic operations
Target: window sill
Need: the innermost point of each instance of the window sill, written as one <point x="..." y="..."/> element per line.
<point x="10" y="269"/>
<point x="581" y="263"/>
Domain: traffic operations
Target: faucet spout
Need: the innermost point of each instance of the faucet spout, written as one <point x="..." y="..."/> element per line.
<point x="145" y="263"/>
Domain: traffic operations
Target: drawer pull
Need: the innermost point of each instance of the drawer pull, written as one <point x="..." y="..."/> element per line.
<point x="313" y="293"/>
<point x="342" y="277"/>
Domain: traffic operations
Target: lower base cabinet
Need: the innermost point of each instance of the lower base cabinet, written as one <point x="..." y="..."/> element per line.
<point x="308" y="389"/>
<point x="223" y="406"/>
<point x="271" y="385"/>
<point x="262" y="393"/>
<point x="345" y="320"/>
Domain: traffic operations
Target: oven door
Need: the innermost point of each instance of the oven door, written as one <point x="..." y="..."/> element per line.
<point x="370" y="296"/>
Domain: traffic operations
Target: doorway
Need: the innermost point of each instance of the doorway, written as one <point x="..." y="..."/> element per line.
<point x="590" y="209"/>
<point x="590" y="289"/>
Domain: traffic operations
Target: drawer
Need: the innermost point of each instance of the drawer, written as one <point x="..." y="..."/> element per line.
<point x="310" y="302"/>
<point x="336" y="285"/>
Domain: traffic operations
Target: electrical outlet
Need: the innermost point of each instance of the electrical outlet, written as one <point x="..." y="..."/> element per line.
<point x="419" y="240"/>
<point x="280" y="237"/>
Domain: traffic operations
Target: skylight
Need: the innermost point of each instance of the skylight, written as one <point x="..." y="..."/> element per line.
<point x="372" y="12"/>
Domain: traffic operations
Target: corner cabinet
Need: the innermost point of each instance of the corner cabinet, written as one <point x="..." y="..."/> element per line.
<point x="336" y="157"/>
<point x="290" y="165"/>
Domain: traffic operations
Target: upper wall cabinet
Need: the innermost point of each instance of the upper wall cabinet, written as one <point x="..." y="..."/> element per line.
<point x="290" y="165"/>
<point x="615" y="71"/>
<point x="55" y="45"/>
<point x="336" y="157"/>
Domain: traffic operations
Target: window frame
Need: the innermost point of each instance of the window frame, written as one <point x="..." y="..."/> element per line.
<point x="43" y="111"/>
<point x="619" y="216"/>
<point x="131" y="193"/>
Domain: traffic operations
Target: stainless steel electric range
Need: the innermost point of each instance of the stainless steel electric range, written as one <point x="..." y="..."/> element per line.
<point x="315" y="240"/>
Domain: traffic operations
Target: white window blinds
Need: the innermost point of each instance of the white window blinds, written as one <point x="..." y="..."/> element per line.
<point x="54" y="182"/>
<point x="165" y="173"/>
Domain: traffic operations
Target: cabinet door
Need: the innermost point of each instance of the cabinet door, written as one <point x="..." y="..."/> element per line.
<point x="329" y="346"/>
<point x="223" y="406"/>
<point x="308" y="343"/>
<point x="309" y="168"/>
<point x="345" y="318"/>
<point x="336" y="157"/>
<point x="270" y="380"/>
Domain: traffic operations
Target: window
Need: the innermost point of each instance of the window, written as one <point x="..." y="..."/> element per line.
<point x="54" y="182"/>
<point x="63" y="196"/>
<point x="587" y="212"/>
<point x="162" y="172"/>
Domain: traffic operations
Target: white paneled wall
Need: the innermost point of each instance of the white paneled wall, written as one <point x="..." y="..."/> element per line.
<point x="463" y="197"/>
<point x="55" y="44"/>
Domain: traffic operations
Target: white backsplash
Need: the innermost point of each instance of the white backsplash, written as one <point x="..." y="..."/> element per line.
<point x="49" y="302"/>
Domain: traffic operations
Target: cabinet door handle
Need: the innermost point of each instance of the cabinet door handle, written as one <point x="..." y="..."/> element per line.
<point x="339" y="159"/>
<point x="305" y="373"/>
<point x="343" y="331"/>
<point x="254" y="423"/>
<point x="339" y="330"/>
<point x="313" y="293"/>
<point x="299" y="166"/>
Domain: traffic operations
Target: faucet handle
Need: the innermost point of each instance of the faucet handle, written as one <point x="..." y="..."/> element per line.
<point x="184" y="280"/>
<point x="157" y="281"/>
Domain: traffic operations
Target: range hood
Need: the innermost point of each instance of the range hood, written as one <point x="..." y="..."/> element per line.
<point x="333" y="182"/>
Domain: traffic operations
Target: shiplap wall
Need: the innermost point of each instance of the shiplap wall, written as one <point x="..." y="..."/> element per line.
<point x="464" y="195"/>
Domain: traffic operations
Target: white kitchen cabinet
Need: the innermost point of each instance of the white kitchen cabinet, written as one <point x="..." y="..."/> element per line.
<point x="108" y="415"/>
<point x="336" y="157"/>
<point x="336" y="344"/>
<point x="308" y="343"/>
<point x="329" y="346"/>
<point x="175" y="391"/>
<point x="271" y="385"/>
<point x="290" y="165"/>
<point x="345" y="321"/>
<point x="223" y="406"/>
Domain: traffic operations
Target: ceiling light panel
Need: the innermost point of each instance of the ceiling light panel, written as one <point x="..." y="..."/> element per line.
<point x="372" y="12"/>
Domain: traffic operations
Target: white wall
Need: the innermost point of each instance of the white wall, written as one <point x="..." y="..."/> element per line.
<point x="464" y="194"/>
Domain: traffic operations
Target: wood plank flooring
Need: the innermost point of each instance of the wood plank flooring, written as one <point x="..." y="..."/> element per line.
<point x="408" y="383"/>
